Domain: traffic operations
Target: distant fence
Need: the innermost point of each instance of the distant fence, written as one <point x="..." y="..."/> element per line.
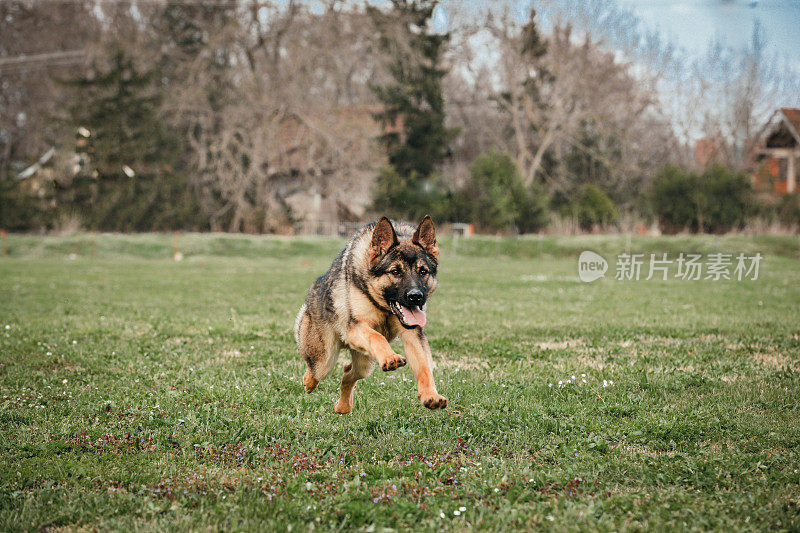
<point x="346" y="229"/>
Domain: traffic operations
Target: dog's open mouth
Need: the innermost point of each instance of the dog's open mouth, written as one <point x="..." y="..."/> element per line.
<point x="409" y="318"/>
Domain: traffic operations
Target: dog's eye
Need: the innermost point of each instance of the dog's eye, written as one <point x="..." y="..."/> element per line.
<point x="423" y="271"/>
<point x="396" y="271"/>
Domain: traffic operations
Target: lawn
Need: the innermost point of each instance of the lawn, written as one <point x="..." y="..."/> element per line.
<point x="140" y="393"/>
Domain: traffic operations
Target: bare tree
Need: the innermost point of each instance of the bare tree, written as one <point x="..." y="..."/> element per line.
<point x="736" y="92"/>
<point x="268" y="98"/>
<point x="39" y="43"/>
<point x="552" y="95"/>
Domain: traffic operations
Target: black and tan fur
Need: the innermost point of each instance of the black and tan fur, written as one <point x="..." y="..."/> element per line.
<point x="351" y="306"/>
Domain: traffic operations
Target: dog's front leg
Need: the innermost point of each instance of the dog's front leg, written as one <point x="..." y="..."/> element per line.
<point x="419" y="357"/>
<point x="366" y="340"/>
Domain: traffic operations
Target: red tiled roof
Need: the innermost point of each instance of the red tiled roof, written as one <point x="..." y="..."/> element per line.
<point x="792" y="114"/>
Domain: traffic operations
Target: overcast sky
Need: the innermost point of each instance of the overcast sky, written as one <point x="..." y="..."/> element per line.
<point x="688" y="24"/>
<point x="693" y="23"/>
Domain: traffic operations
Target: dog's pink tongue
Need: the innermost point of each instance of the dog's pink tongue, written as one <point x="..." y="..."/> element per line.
<point x="414" y="317"/>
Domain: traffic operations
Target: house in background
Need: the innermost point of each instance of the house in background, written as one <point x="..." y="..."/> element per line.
<point x="708" y="150"/>
<point x="777" y="152"/>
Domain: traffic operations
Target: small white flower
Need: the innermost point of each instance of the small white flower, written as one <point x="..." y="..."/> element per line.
<point x="49" y="353"/>
<point x="550" y="385"/>
<point x="74" y="342"/>
<point x="462" y="509"/>
<point x="441" y="514"/>
<point x="550" y="517"/>
<point x="8" y="327"/>
<point x="605" y="383"/>
<point x="560" y="382"/>
<point x="496" y="489"/>
<point x="610" y="382"/>
<point x="572" y="377"/>
<point x="583" y="381"/>
<point x="583" y="375"/>
<point x="456" y="512"/>
<point x="64" y="381"/>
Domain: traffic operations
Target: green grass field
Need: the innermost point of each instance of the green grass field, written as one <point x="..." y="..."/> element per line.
<point x="139" y="393"/>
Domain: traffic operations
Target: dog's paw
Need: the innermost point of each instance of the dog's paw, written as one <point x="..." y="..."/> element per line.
<point x="393" y="362"/>
<point x="309" y="381"/>
<point x="342" y="408"/>
<point x="433" y="401"/>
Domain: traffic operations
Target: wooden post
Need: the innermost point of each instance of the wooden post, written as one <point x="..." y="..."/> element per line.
<point x="4" y="234"/>
<point x="176" y="255"/>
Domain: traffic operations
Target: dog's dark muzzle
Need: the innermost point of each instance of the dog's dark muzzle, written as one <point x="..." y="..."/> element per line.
<point x="415" y="298"/>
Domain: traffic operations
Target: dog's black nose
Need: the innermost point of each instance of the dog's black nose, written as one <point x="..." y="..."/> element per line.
<point x="415" y="297"/>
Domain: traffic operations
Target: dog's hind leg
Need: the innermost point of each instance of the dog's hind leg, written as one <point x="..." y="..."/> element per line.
<point x="320" y="350"/>
<point x="359" y="367"/>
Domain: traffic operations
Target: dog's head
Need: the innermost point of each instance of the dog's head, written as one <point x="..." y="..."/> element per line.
<point x="403" y="269"/>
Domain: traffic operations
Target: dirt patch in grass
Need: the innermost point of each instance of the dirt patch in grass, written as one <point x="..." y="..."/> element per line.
<point x="221" y="357"/>
<point x="464" y="363"/>
<point x="560" y="345"/>
<point x="776" y="361"/>
<point x="647" y="452"/>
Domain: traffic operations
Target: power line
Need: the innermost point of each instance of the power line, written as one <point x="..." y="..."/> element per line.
<point x="220" y="3"/>
<point x="42" y="59"/>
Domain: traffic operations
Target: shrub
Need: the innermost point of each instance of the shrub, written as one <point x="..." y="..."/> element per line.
<point x="724" y="199"/>
<point x="411" y="197"/>
<point x="533" y="208"/>
<point x="789" y="209"/>
<point x="593" y="208"/>
<point x="496" y="197"/>
<point x="673" y="198"/>
<point x="494" y="181"/>
<point x="718" y="200"/>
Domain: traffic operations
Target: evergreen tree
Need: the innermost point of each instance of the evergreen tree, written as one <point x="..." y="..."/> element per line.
<point x="413" y="114"/>
<point x="534" y="48"/>
<point x="132" y="181"/>
<point x="197" y="44"/>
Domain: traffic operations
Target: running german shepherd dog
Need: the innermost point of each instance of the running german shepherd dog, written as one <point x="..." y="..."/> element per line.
<point x="375" y="290"/>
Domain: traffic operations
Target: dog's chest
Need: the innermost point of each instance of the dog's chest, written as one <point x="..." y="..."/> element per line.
<point x="388" y="326"/>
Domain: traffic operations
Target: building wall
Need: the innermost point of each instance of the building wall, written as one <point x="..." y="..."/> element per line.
<point x="775" y="170"/>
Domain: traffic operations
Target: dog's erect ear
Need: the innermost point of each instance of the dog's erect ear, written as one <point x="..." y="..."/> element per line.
<point x="425" y="236"/>
<point x="383" y="238"/>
